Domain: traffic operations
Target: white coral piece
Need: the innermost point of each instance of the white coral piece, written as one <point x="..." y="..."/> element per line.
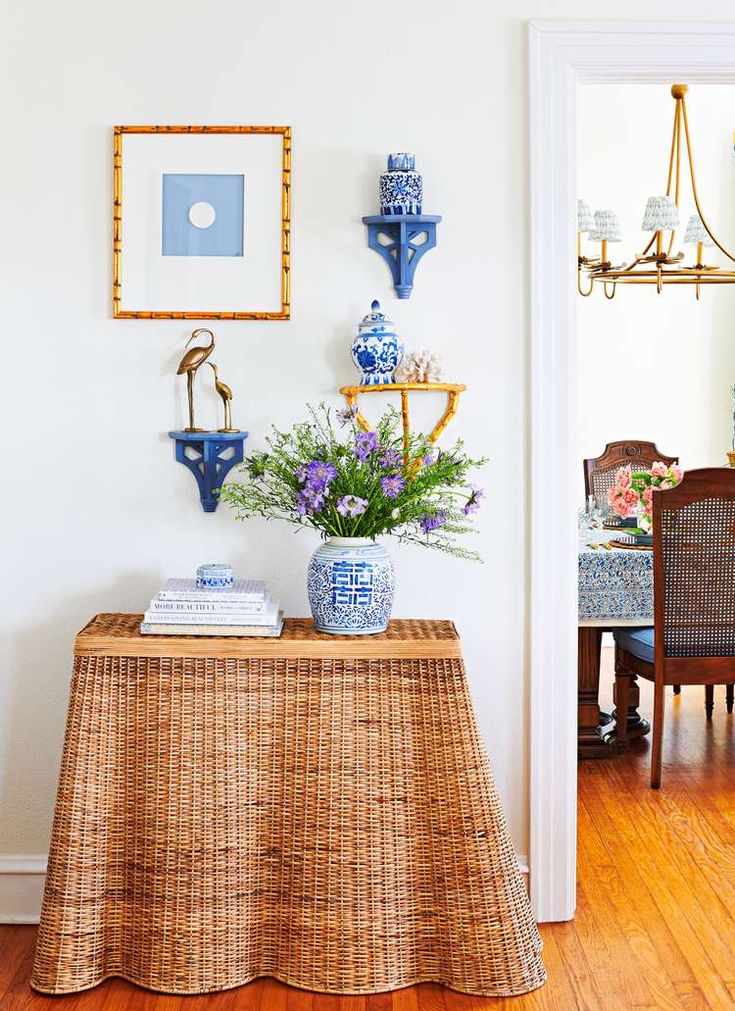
<point x="420" y="367"/>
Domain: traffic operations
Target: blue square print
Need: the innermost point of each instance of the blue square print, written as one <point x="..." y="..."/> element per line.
<point x="202" y="215"/>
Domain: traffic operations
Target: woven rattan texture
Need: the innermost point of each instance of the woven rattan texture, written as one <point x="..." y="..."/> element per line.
<point x="698" y="543"/>
<point x="119" y="635"/>
<point x="602" y="481"/>
<point x="295" y="629"/>
<point x="331" y="823"/>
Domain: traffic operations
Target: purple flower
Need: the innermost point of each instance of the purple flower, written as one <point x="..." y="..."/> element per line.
<point x="392" y="485"/>
<point x="309" y="501"/>
<point x="319" y="474"/>
<point x="366" y="443"/>
<point x="351" y="505"/>
<point x="300" y="474"/>
<point x="429" y="455"/>
<point x="473" y="502"/>
<point x="390" y="458"/>
<point x="346" y="415"/>
<point x="429" y="523"/>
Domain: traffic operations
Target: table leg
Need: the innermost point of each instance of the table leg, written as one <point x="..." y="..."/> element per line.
<point x="592" y="725"/>
<point x="637" y="726"/>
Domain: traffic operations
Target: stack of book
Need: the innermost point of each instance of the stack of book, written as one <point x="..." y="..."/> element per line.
<point x="182" y="608"/>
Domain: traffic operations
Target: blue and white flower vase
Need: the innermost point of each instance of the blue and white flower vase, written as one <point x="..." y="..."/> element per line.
<point x="377" y="350"/>
<point x="350" y="584"/>
<point x="401" y="188"/>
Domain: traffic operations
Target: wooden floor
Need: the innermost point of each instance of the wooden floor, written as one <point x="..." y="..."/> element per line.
<point x="655" y="926"/>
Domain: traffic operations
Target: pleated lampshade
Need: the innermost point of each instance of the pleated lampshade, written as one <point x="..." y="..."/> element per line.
<point x="696" y="232"/>
<point x="661" y="215"/>
<point x="607" y="227"/>
<point x="585" y="221"/>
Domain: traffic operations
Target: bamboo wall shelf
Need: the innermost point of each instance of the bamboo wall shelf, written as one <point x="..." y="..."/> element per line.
<point x="452" y="390"/>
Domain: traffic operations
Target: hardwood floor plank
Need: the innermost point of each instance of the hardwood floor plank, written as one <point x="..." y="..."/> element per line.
<point x="646" y="870"/>
<point x="430" y="997"/>
<point x="667" y="863"/>
<point x="15" y="942"/>
<point x="299" y="1000"/>
<point x="640" y="976"/>
<point x="406" y="1000"/>
<point x="379" y="1002"/>
<point x="273" y="995"/>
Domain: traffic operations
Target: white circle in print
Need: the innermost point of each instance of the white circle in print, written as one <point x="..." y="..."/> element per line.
<point x="202" y="214"/>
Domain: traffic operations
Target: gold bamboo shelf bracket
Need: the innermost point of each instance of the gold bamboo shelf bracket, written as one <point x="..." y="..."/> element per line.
<point x="452" y="390"/>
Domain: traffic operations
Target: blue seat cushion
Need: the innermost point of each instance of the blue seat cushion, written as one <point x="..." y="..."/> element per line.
<point x="638" y="641"/>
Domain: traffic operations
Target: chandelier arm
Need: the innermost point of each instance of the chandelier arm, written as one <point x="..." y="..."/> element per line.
<point x="639" y="259"/>
<point x="677" y="132"/>
<point x="714" y="238"/>
<point x="645" y="251"/>
<point x="579" y="284"/>
<point x="604" y="288"/>
<point x="674" y="136"/>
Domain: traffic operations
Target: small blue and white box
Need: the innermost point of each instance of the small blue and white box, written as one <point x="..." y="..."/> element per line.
<point x="214" y="576"/>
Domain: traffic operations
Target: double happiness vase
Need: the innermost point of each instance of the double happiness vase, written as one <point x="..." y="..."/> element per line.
<point x="401" y="187"/>
<point x="377" y="350"/>
<point x="350" y="584"/>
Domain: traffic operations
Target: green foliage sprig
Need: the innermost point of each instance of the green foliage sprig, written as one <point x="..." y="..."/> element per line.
<point x="350" y="483"/>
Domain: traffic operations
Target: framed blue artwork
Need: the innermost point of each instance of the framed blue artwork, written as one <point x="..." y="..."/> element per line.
<point x="202" y="214"/>
<point x="202" y="222"/>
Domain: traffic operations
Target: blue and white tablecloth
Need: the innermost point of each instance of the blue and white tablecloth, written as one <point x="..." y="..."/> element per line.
<point x="614" y="584"/>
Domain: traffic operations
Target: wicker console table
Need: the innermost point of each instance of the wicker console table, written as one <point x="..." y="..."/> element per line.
<point x="314" y="808"/>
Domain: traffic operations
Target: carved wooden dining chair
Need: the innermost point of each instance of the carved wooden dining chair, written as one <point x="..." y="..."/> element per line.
<point x="600" y="471"/>
<point x="692" y="641"/>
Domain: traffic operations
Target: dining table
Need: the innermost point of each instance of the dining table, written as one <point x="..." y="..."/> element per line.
<point x="615" y="590"/>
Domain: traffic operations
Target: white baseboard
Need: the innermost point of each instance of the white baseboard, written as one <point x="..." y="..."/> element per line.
<point x="21" y="885"/>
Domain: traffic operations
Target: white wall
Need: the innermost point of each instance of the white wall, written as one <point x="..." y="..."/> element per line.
<point x="657" y="367"/>
<point x="95" y="512"/>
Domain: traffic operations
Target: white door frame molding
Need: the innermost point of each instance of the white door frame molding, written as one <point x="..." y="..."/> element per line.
<point x="561" y="55"/>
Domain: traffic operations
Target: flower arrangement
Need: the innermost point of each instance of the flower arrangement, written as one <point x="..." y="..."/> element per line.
<point x="632" y="493"/>
<point x="353" y="483"/>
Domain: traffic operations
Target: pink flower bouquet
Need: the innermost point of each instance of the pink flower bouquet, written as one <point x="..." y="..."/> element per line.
<point x="632" y="493"/>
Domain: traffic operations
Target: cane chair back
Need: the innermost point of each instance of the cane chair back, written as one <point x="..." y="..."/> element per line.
<point x="694" y="566"/>
<point x="693" y="598"/>
<point x="600" y="471"/>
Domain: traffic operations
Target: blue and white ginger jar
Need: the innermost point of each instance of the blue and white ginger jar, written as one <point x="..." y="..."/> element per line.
<point x="350" y="584"/>
<point x="401" y="188"/>
<point x="377" y="350"/>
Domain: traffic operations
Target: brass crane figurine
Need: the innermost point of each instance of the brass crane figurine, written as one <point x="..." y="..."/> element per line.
<point x="226" y="393"/>
<point x="189" y="364"/>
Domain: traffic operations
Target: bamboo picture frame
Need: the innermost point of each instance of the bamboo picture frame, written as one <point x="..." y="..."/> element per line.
<point x="122" y="311"/>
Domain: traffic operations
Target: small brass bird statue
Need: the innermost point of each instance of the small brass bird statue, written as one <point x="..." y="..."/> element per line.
<point x="226" y="393"/>
<point x="189" y="364"/>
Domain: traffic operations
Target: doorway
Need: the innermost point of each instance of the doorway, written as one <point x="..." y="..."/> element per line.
<point x="562" y="55"/>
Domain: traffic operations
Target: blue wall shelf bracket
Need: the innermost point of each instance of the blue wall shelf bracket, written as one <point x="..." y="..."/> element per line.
<point x="210" y="456"/>
<point x="402" y="239"/>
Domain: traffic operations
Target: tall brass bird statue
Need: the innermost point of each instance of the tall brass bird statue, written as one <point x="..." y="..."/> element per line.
<point x="189" y="364"/>
<point x="226" y="393"/>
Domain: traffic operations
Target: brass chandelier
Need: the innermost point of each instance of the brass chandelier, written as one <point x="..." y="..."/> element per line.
<point x="658" y="263"/>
